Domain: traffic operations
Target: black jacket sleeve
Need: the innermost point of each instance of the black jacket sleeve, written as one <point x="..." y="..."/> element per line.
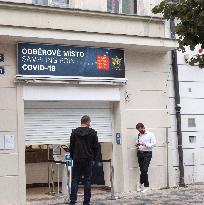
<point x="95" y="145"/>
<point x="72" y="142"/>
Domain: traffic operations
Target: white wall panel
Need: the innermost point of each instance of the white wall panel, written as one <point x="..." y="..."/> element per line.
<point x="9" y="164"/>
<point x="199" y="119"/>
<point x="8" y="120"/>
<point x="8" y="98"/>
<point x="181" y="59"/>
<point x="200" y="173"/>
<point x="197" y="89"/>
<point x="157" y="177"/>
<point x="173" y="122"/>
<point x="173" y="142"/>
<point x="9" y="192"/>
<point x="192" y="106"/>
<point x="189" y="156"/>
<point x="171" y="106"/>
<point x="190" y="175"/>
<point x="147" y="80"/>
<point x="187" y="73"/>
<point x="159" y="157"/>
<point x="132" y="158"/>
<point x="174" y="157"/>
<point x="147" y="99"/>
<point x="199" y="140"/>
<point x="170" y="88"/>
<point x="137" y="62"/>
<point x="161" y="118"/>
<point x="133" y="174"/>
<point x="200" y="157"/>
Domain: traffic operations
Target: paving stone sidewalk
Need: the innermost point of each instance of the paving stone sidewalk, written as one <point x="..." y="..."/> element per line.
<point x="193" y="195"/>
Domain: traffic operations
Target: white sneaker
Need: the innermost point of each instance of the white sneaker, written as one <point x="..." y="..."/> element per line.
<point x="146" y="189"/>
<point x="139" y="187"/>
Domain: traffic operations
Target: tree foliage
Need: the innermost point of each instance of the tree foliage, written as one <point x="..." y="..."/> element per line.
<point x="190" y="24"/>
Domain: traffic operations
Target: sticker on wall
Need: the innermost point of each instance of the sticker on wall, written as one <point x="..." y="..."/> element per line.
<point x="9" y="142"/>
<point x="2" y="143"/>
<point x="118" y="138"/>
<point x="2" y="71"/>
<point x="1" y="57"/>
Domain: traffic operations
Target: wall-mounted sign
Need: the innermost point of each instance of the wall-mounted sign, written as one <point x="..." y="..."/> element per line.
<point x="60" y="60"/>
<point x="9" y="142"/>
<point x="2" y="71"/>
<point x="2" y="142"/>
<point x="1" y="57"/>
<point x="118" y="138"/>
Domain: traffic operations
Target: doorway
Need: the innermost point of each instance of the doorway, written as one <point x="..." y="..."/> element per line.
<point x="47" y="123"/>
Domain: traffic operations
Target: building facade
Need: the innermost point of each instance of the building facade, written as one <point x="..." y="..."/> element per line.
<point x="190" y="88"/>
<point x="34" y="106"/>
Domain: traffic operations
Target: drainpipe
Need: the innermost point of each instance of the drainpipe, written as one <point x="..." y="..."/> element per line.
<point x="177" y="106"/>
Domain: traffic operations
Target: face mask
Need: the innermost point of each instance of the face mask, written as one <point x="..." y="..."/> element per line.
<point x="142" y="132"/>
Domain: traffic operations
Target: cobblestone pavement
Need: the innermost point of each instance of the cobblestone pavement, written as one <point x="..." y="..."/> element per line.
<point x="193" y="194"/>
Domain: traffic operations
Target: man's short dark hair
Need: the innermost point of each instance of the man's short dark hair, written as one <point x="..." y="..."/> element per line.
<point x="139" y="125"/>
<point x="85" y="119"/>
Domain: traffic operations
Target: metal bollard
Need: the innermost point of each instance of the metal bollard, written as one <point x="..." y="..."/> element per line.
<point x="52" y="179"/>
<point x="48" y="168"/>
<point x="49" y="187"/>
<point x="58" y="178"/>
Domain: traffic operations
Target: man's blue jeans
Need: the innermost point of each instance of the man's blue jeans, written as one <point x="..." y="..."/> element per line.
<point x="81" y="167"/>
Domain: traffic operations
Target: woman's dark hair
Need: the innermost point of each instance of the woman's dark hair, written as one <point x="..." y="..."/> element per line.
<point x="139" y="125"/>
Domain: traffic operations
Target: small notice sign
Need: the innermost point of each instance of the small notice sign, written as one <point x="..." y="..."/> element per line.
<point x="118" y="138"/>
<point x="9" y="142"/>
<point x="2" y="71"/>
<point x="1" y="57"/>
<point x="1" y="143"/>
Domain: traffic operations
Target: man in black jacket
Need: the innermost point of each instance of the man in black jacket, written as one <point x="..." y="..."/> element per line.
<point x="83" y="150"/>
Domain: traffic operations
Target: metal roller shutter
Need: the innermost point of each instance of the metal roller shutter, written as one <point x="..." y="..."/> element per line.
<point x="47" y="123"/>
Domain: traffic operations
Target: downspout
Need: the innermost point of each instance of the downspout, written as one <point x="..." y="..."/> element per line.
<point x="177" y="106"/>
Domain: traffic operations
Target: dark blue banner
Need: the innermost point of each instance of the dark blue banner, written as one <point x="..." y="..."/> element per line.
<point x="61" y="60"/>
